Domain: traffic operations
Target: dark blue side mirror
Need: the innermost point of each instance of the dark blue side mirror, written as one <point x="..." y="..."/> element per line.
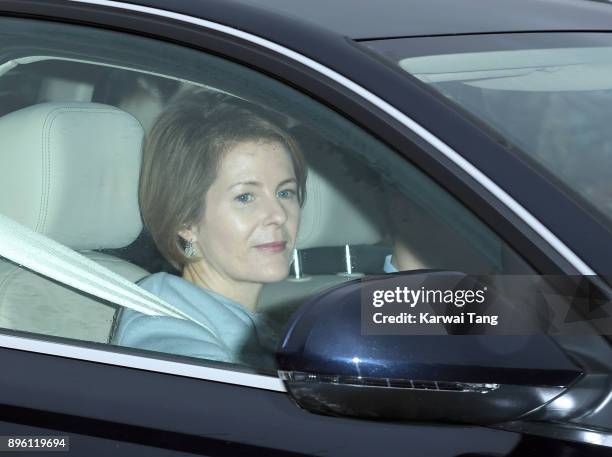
<point x="331" y="367"/>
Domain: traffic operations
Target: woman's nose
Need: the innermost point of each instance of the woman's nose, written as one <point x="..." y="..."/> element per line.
<point x="275" y="212"/>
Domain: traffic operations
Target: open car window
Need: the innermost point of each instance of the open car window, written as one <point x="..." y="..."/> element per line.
<point x="78" y="107"/>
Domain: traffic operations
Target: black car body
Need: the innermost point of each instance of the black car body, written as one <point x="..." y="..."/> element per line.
<point x="339" y="54"/>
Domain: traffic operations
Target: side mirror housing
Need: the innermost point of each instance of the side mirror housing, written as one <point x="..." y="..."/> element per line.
<point x="331" y="367"/>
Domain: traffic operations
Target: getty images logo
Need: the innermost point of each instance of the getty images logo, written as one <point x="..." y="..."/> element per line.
<point x="411" y="297"/>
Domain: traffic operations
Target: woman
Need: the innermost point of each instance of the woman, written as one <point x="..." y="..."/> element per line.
<point x="221" y="189"/>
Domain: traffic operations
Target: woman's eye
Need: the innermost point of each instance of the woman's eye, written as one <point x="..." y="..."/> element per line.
<point x="287" y="193"/>
<point x="244" y="198"/>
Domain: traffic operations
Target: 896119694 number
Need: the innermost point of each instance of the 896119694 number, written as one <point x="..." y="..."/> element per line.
<point x="32" y="443"/>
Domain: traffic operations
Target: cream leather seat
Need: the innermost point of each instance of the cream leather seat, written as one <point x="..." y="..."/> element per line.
<point x="68" y="171"/>
<point x="340" y="210"/>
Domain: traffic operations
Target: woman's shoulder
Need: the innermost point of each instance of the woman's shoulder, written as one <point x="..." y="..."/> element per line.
<point x="229" y="329"/>
<point x="172" y="336"/>
<point x="160" y="282"/>
<point x="196" y="301"/>
<point x="178" y="291"/>
<point x="169" y="334"/>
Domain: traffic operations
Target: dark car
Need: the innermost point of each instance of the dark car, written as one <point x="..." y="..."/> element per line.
<point x="451" y="146"/>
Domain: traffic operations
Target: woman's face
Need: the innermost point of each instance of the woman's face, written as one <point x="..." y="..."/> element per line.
<point x="251" y="214"/>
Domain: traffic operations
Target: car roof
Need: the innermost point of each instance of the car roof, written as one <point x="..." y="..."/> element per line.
<point x="369" y="19"/>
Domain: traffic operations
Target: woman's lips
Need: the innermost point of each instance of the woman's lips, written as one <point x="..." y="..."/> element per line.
<point x="277" y="246"/>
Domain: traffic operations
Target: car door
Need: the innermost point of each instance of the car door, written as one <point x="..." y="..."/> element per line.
<point x="107" y="398"/>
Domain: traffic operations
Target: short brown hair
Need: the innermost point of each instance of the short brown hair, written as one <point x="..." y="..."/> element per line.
<point x="182" y="155"/>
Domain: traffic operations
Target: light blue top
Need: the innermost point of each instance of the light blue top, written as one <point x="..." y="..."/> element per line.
<point x="388" y="266"/>
<point x="239" y="336"/>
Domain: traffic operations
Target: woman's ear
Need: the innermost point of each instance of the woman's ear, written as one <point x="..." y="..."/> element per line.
<point x="188" y="234"/>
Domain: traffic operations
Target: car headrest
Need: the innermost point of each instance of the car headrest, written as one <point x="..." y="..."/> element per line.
<point x="70" y="171"/>
<point x="339" y="210"/>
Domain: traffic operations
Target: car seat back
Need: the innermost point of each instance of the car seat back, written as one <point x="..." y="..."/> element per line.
<point x="68" y="171"/>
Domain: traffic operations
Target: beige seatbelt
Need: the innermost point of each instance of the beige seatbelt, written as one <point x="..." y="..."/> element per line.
<point x="53" y="260"/>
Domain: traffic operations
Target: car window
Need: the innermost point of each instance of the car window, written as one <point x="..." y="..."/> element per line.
<point x="547" y="94"/>
<point x="221" y="192"/>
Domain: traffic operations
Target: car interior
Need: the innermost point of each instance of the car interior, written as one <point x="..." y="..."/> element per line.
<point x="72" y="131"/>
<point x="70" y="172"/>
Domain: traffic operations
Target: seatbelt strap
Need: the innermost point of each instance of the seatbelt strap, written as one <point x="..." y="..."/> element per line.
<point x="53" y="260"/>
